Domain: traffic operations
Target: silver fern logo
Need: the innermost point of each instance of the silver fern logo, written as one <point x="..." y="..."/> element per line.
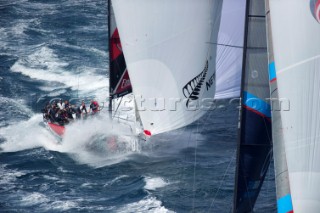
<point x="192" y="89"/>
<point x="315" y="9"/>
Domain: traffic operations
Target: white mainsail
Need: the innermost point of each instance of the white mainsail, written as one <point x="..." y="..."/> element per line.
<point x="296" y="39"/>
<point x="168" y="46"/>
<point x="230" y="49"/>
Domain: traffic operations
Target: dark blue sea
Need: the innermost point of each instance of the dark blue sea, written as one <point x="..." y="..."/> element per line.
<point x="58" y="48"/>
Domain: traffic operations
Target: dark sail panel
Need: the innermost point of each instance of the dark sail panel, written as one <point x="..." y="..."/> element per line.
<point x="120" y="84"/>
<point x="255" y="145"/>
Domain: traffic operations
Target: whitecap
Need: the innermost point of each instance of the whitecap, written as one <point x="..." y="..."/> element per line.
<point x="63" y="205"/>
<point x="45" y="65"/>
<point x="26" y="135"/>
<point x="115" y="180"/>
<point x="154" y="183"/>
<point x="89" y="49"/>
<point x="9" y="176"/>
<point x="50" y="177"/>
<point x="148" y="205"/>
<point x="19" y="28"/>
<point x="17" y="110"/>
<point x="34" y="198"/>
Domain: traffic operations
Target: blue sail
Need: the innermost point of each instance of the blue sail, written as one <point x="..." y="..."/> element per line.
<point x="255" y="137"/>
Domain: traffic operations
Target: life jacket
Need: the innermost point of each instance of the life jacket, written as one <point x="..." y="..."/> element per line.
<point x="94" y="106"/>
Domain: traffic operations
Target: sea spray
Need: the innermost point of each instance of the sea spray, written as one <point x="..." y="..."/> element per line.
<point x="96" y="141"/>
<point x="26" y="135"/>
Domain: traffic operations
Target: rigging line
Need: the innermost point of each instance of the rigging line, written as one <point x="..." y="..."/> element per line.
<point x="257" y="48"/>
<point x="274" y="90"/>
<point x="230" y="211"/>
<point x="225" y="45"/>
<point x="231" y="160"/>
<point x="205" y="121"/>
<point x="194" y="166"/>
<point x="78" y="87"/>
<point x="270" y="177"/>
<point x="78" y="73"/>
<point x="195" y="160"/>
<point x="298" y="64"/>
<point x="185" y="155"/>
<point x="256" y="16"/>
<point x="269" y="171"/>
<point x="268" y="133"/>
<point x="115" y="112"/>
<point x="197" y="133"/>
<point x="222" y="180"/>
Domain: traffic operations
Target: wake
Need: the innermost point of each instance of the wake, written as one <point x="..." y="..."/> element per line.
<point x="96" y="141"/>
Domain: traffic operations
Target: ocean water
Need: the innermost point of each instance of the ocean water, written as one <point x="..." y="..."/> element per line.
<point x="51" y="49"/>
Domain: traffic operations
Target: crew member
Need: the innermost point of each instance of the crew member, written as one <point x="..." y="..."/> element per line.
<point x="60" y="104"/>
<point x="94" y="107"/>
<point x="66" y="104"/>
<point x="82" y="110"/>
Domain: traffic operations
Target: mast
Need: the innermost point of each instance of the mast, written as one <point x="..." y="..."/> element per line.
<point x="244" y="58"/>
<point x="284" y="202"/>
<point x="109" y="45"/>
<point x="254" y="148"/>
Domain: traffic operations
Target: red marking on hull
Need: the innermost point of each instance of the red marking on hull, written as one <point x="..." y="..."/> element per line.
<point x="290" y="211"/>
<point x="59" y="130"/>
<point x="147" y="132"/>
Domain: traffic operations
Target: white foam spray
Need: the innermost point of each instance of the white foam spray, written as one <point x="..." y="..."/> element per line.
<point x="153" y="183"/>
<point x="148" y="204"/>
<point x="95" y="141"/>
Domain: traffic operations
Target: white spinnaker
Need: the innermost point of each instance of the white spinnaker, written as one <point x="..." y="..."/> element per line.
<point x="167" y="44"/>
<point x="230" y="49"/>
<point x="296" y="39"/>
